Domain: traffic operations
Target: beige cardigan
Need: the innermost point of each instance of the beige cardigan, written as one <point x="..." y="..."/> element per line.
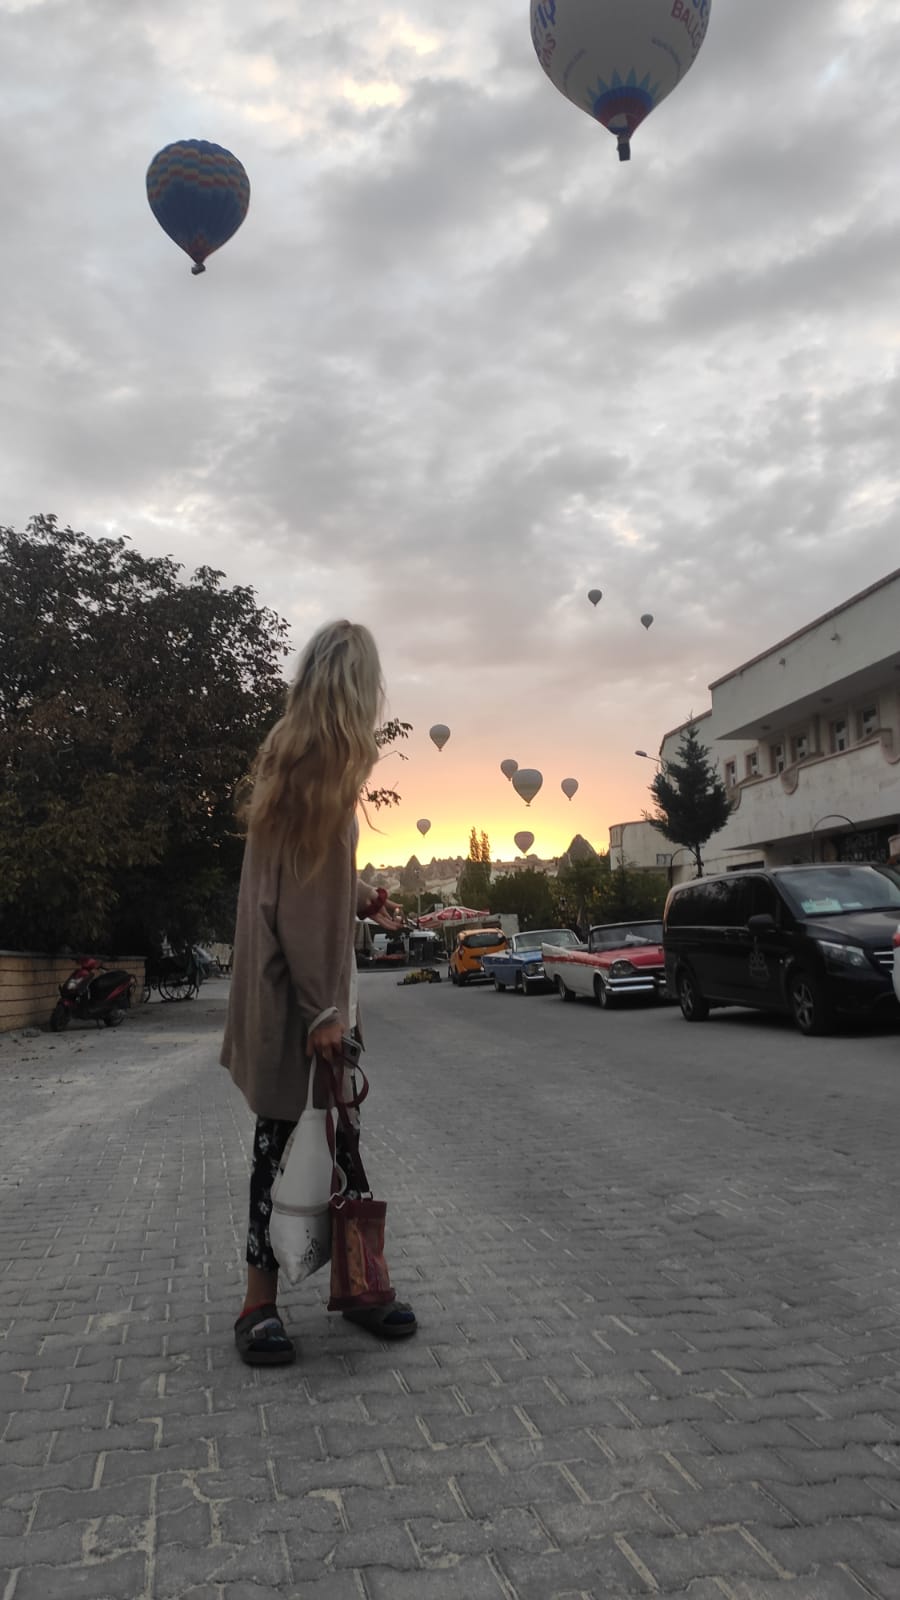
<point x="291" y="965"/>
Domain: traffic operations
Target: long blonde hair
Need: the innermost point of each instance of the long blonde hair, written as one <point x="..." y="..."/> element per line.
<point x="311" y="768"/>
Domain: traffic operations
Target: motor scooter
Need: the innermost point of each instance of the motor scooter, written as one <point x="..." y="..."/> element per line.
<point x="93" y="993"/>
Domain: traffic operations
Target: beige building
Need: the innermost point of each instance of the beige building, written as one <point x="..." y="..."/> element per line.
<point x="806" y="737"/>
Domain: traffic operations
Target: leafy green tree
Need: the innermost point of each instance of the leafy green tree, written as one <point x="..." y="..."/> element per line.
<point x="526" y="894"/>
<point x="474" y="884"/>
<point x="691" y="800"/>
<point x="132" y="703"/>
<point x="629" y="895"/>
<point x="577" y="891"/>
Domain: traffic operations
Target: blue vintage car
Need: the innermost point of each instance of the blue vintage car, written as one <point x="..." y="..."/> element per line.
<point x="520" y="966"/>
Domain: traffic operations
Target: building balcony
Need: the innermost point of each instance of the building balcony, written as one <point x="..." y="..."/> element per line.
<point x="862" y="783"/>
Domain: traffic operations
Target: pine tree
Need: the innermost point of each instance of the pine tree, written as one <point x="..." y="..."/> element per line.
<point x="691" y="800"/>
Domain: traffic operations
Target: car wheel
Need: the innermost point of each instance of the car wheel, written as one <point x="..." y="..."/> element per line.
<point x="526" y="986"/>
<point x="602" y="994"/>
<point x="694" y="1007"/>
<point x="453" y="978"/>
<point x="810" y="1007"/>
<point x="563" y="990"/>
<point x="500" y="987"/>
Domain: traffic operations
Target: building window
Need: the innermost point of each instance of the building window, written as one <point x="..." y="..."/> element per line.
<point x="839" y="739"/>
<point x="800" y="746"/>
<point x="753" y="764"/>
<point x="731" y="773"/>
<point x="778" y="757"/>
<point x="662" y="860"/>
<point x="867" y="722"/>
<point x="615" y="838"/>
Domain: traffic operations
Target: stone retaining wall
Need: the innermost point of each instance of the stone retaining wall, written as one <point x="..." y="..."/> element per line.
<point x="29" y="984"/>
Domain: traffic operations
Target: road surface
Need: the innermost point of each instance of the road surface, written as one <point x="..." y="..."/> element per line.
<point x="655" y="1267"/>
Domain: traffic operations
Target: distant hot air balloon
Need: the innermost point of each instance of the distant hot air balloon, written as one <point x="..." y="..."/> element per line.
<point x="646" y="619"/>
<point x="423" y="826"/>
<point x="199" y="194"/>
<point x="508" y="767"/>
<point x="617" y="59"/>
<point x="526" y="782"/>
<point x="524" y="841"/>
<point x="439" y="734"/>
<point x="569" y="787"/>
<point x="595" y="596"/>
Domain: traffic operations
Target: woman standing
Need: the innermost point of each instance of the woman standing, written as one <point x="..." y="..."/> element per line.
<point x="293" y="989"/>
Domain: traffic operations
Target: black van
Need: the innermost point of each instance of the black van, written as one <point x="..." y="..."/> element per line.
<point x="814" y="942"/>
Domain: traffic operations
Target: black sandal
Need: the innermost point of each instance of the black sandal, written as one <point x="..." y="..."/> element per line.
<point x="261" y="1340"/>
<point x="396" y="1321"/>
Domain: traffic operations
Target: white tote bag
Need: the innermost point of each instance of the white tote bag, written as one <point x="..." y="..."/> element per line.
<point x="300" y="1223"/>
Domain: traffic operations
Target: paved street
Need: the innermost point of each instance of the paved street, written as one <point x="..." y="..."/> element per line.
<point x="656" y="1269"/>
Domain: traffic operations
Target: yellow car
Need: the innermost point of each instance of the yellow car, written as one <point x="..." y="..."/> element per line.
<point x="465" y="961"/>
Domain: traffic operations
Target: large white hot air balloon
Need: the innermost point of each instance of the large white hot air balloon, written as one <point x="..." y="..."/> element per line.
<point x="595" y="596"/>
<point x="617" y="59"/>
<point x="524" y="841"/>
<point x="439" y="734"/>
<point x="647" y="619"/>
<point x="569" y="787"/>
<point x="508" y="767"/>
<point x="526" y="782"/>
<point x="423" y="826"/>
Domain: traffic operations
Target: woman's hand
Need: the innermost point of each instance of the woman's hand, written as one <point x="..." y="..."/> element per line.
<point x="389" y="916"/>
<point x="326" y="1041"/>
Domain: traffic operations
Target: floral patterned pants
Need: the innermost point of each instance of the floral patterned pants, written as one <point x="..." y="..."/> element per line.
<point x="268" y="1148"/>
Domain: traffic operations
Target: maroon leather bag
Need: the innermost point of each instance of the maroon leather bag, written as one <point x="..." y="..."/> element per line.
<point x="360" y="1277"/>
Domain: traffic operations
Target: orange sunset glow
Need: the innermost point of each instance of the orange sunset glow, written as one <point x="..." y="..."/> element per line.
<point x="462" y="787"/>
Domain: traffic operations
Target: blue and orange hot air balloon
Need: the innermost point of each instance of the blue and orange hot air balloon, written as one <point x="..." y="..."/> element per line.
<point x="617" y="59"/>
<point x="199" y="194"/>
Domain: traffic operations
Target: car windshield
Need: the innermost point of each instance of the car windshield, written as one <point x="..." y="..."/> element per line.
<point x="831" y="891"/>
<point x="533" y="940"/>
<point x="481" y="941"/>
<point x="625" y="933"/>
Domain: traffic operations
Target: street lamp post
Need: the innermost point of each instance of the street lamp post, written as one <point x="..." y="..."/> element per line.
<point x="830" y="816"/>
<point x="679" y="852"/>
<point x="647" y="757"/>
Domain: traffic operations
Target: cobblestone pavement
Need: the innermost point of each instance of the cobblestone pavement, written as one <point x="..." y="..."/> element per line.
<point x="656" y="1270"/>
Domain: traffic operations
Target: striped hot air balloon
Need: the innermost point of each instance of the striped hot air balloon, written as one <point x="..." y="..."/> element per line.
<point x="199" y="194"/>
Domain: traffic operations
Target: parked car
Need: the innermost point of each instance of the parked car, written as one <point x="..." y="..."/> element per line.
<point x="896" y="963"/>
<point x="470" y="948"/>
<point x="814" y="942"/>
<point x="621" y="958"/>
<point x="520" y="966"/>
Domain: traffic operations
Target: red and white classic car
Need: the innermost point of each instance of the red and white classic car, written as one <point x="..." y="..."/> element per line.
<point x="621" y="958"/>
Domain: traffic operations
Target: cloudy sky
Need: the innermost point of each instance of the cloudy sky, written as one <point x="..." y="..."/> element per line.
<point x="460" y="365"/>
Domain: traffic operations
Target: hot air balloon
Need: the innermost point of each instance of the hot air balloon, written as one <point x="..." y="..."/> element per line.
<point x="439" y="734"/>
<point x="423" y="826"/>
<point x="569" y="787"/>
<point x="508" y="767"/>
<point x="595" y="596"/>
<point x="617" y="59"/>
<point x="199" y="194"/>
<point x="646" y="619"/>
<point x="524" y="841"/>
<point x="526" y="782"/>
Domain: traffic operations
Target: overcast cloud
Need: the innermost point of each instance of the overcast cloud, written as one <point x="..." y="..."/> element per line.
<point x="460" y="365"/>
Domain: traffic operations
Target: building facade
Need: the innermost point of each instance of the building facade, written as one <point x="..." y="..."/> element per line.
<point x="806" y="738"/>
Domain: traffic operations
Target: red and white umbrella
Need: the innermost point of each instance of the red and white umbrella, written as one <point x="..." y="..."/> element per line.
<point x="450" y="914"/>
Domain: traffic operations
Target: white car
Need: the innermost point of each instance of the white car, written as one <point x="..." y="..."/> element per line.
<point x="897" y="963"/>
